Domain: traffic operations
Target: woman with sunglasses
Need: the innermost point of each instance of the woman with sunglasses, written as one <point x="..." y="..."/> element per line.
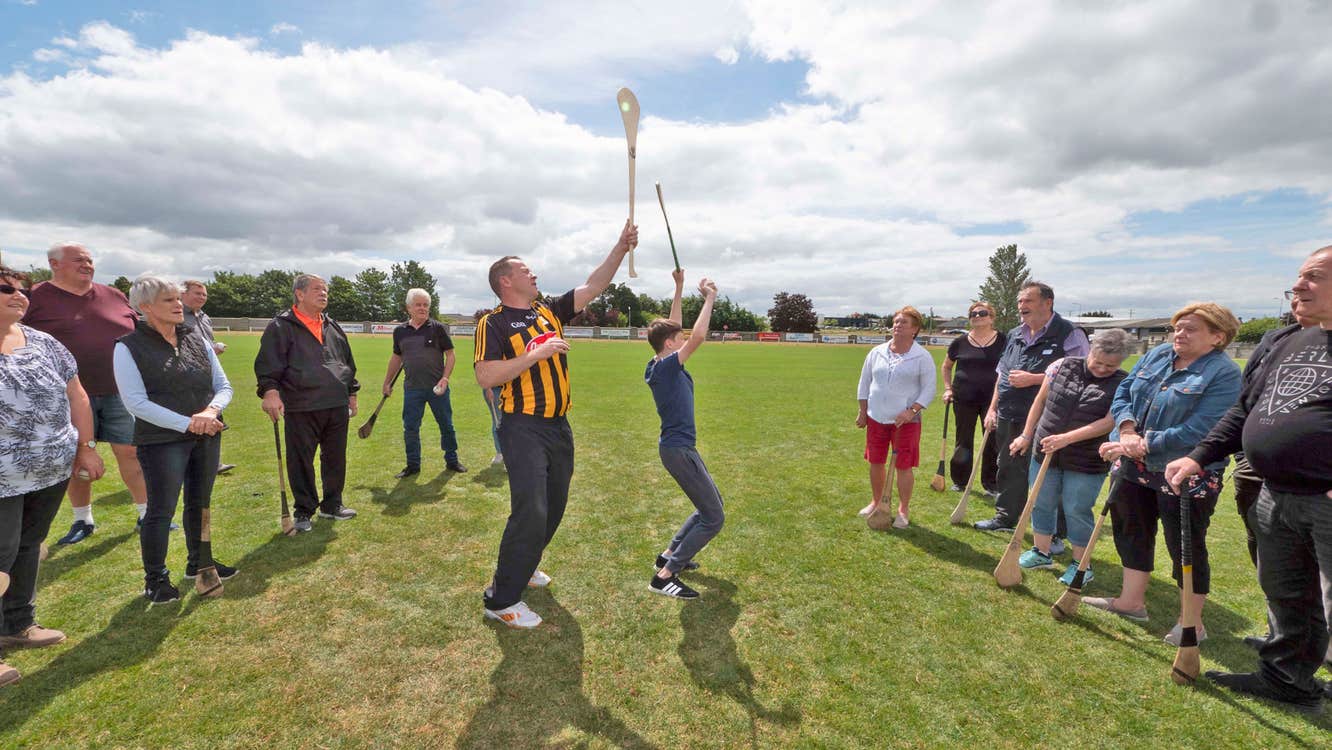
<point x="46" y="428"/>
<point x="969" y="374"/>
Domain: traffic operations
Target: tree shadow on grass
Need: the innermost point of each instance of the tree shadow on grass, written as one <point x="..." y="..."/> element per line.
<point x="709" y="651"/>
<point x="136" y="632"/>
<point x="1225" y="627"/>
<point x="399" y="499"/>
<point x="538" y="687"/>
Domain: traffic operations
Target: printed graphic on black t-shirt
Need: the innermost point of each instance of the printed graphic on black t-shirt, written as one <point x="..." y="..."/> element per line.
<point x="1293" y="415"/>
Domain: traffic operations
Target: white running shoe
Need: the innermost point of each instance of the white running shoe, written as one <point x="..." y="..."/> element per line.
<point x="900" y="522"/>
<point x="1176" y="634"/>
<point x="517" y="616"/>
<point x="498" y="460"/>
<point x="538" y="580"/>
<point x="865" y="511"/>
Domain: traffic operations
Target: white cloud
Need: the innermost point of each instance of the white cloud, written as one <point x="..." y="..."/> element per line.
<point x="727" y="54"/>
<point x="216" y="152"/>
<point x="282" y="27"/>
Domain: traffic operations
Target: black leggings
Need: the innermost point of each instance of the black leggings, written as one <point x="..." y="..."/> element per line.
<point x="1134" y="511"/>
<point x="965" y="417"/>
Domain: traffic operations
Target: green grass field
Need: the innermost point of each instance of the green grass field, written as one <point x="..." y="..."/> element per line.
<point x="812" y="631"/>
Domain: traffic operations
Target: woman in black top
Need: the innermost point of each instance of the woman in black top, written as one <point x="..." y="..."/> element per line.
<point x="969" y="388"/>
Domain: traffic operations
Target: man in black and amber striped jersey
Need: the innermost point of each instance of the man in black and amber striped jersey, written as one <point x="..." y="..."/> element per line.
<point x="520" y="348"/>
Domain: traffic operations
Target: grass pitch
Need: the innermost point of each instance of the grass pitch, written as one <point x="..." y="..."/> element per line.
<point x="812" y="631"/>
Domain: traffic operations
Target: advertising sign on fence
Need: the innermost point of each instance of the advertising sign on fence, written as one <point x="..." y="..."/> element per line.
<point x="382" y="327"/>
<point x="348" y="327"/>
<point x="940" y="340"/>
<point x="769" y="336"/>
<point x="800" y="337"/>
<point x="839" y="339"/>
<point x="642" y="333"/>
<point x="578" y="333"/>
<point x="462" y="330"/>
<point x="615" y="333"/>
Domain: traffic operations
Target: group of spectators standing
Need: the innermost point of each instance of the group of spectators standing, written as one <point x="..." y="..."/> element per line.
<point x="1167" y="427"/>
<point x="83" y="363"/>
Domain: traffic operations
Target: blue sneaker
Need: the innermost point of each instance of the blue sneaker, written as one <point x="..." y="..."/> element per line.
<point x="1034" y="559"/>
<point x="78" y="532"/>
<point x="1072" y="570"/>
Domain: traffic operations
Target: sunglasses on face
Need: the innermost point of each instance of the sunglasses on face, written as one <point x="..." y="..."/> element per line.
<point x="10" y="289"/>
<point x="980" y="313"/>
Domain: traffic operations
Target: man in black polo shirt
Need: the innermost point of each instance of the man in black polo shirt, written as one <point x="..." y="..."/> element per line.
<point x="520" y="348"/>
<point x="1283" y="422"/>
<point x="1041" y="338"/>
<point x="423" y="347"/>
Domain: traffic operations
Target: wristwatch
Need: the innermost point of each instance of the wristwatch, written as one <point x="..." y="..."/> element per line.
<point x="90" y="444"/>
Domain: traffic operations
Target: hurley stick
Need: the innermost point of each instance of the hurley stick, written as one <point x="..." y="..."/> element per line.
<point x="1187" y="660"/>
<point x="369" y="426"/>
<point x="288" y="526"/>
<point x="206" y="583"/>
<point x="880" y="519"/>
<point x="960" y="512"/>
<point x="937" y="484"/>
<point x="670" y="236"/>
<point x="629" y="113"/>
<point x="1067" y="604"/>
<point x="1008" y="573"/>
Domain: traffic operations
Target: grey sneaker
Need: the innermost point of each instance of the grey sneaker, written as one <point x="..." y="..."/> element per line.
<point x="303" y="523"/>
<point x="1177" y="632"/>
<point x="343" y="513"/>
<point x="1111" y="605"/>
<point x="1056" y="546"/>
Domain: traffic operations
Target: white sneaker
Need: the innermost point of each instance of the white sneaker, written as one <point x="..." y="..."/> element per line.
<point x="900" y="522"/>
<point x="517" y="616"/>
<point x="1177" y="632"/>
<point x="865" y="511"/>
<point x="497" y="460"/>
<point x="538" y="580"/>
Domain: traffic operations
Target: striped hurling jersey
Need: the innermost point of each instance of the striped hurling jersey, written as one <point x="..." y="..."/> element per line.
<point x="503" y="333"/>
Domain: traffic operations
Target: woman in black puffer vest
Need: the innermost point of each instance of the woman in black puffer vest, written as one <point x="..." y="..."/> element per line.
<point x="170" y="380"/>
<point x="1071" y="415"/>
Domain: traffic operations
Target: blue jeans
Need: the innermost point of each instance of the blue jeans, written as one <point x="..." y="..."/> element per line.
<point x="188" y="464"/>
<point x="111" y="422"/>
<point x="496" y="416"/>
<point x="1075" y="492"/>
<point x="414" y="401"/>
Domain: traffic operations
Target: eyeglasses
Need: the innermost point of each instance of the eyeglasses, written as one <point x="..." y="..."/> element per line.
<point x="9" y="289"/>
<point x="980" y="313"/>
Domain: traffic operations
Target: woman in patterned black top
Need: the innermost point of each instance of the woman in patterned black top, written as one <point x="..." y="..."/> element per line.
<point x="39" y="450"/>
<point x="975" y="355"/>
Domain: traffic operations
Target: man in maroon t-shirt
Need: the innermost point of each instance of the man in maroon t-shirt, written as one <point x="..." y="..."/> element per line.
<point x="87" y="318"/>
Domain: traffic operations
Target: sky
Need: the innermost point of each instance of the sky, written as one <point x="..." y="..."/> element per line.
<point x="866" y="154"/>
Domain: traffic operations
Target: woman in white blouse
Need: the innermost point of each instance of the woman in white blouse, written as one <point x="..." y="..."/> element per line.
<point x="896" y="384"/>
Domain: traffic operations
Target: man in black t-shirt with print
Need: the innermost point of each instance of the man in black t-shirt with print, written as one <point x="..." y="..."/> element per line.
<point x="520" y="348"/>
<point x="1283" y="422"/>
<point x="423" y="348"/>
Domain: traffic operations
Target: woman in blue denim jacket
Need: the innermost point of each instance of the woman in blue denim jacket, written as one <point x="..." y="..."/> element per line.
<point x="1167" y="404"/>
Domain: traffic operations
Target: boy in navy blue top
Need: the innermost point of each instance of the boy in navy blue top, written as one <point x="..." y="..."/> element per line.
<point x="673" y="390"/>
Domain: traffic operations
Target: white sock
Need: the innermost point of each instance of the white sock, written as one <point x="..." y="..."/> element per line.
<point x="142" y="508"/>
<point x="84" y="514"/>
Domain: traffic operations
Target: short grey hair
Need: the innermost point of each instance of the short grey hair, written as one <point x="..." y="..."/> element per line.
<point x="147" y="289"/>
<point x="189" y="284"/>
<point x="415" y="294"/>
<point x="302" y="282"/>
<point x="57" y="251"/>
<point x="1112" y="342"/>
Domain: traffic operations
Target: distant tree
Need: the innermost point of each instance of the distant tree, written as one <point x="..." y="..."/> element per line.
<point x="344" y="305"/>
<point x="1253" y="329"/>
<point x="412" y="275"/>
<point x="1008" y="272"/>
<point x="231" y="295"/>
<point x="375" y="292"/>
<point x="476" y="316"/>
<point x="122" y="283"/>
<point x="647" y="309"/>
<point x="725" y="315"/>
<point x="272" y="293"/>
<point x="792" y="312"/>
<point x="1098" y="314"/>
<point x="37" y="275"/>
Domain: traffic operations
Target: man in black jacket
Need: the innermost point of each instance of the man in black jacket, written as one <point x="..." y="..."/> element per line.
<point x="1283" y="421"/>
<point x="307" y="376"/>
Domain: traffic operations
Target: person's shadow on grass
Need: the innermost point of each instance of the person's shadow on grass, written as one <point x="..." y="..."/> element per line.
<point x="709" y="652"/>
<point x="538" y="687"/>
<point x="494" y="475"/>
<point x="399" y="499"/>
<point x="136" y="632"/>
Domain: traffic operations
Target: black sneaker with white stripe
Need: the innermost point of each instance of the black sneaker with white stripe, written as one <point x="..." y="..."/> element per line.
<point x="672" y="587"/>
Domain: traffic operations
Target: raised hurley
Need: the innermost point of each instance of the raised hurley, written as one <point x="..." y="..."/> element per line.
<point x="628" y="104"/>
